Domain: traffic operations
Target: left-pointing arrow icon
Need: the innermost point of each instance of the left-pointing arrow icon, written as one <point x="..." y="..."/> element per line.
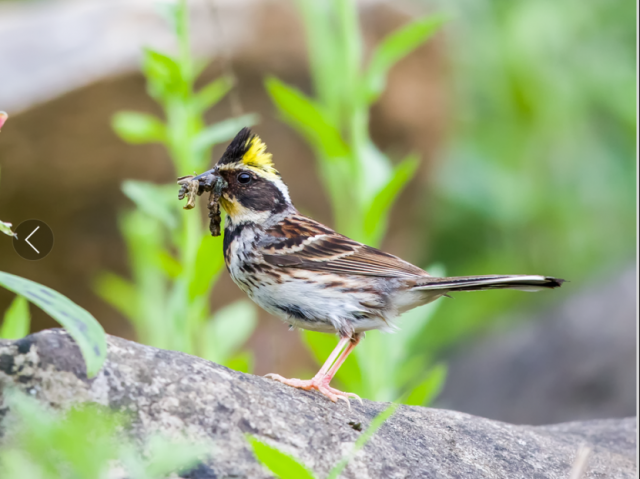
<point x="34" y="241"/>
<point x="27" y="240"/>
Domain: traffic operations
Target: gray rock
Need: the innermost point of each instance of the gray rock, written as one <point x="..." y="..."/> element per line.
<point x="173" y="392"/>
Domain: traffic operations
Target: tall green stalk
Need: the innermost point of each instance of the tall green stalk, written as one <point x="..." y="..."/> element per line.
<point x="174" y="260"/>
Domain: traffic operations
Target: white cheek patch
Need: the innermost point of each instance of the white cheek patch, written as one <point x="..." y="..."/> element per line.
<point x="240" y="214"/>
<point x="283" y="189"/>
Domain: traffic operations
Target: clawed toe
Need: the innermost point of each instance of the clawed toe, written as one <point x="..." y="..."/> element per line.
<point x="342" y="395"/>
<point x="317" y="383"/>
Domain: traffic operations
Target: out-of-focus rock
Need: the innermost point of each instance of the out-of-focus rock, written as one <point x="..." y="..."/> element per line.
<point x="171" y="392"/>
<point x="576" y="362"/>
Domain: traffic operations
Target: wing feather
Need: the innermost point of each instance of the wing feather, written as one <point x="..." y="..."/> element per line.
<point x="301" y="242"/>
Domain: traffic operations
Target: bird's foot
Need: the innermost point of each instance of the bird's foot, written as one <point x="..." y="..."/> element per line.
<point x="320" y="384"/>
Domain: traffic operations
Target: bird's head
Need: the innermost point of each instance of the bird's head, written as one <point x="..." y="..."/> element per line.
<point x="251" y="188"/>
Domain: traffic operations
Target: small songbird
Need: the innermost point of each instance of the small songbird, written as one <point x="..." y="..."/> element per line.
<point x="306" y="273"/>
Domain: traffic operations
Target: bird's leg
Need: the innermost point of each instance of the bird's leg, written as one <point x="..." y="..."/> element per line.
<point x="353" y="342"/>
<point x="321" y="380"/>
<point x="332" y="357"/>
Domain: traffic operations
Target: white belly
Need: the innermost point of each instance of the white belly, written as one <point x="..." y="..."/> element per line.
<point x="311" y="300"/>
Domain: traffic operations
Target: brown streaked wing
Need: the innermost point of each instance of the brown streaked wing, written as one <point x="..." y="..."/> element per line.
<point x="301" y="242"/>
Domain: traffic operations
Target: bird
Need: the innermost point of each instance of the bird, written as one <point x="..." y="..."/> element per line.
<point x="307" y="274"/>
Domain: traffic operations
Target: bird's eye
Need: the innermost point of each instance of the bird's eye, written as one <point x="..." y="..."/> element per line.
<point x="244" y="178"/>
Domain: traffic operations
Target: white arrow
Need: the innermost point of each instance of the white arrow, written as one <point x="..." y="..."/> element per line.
<point x="27" y="240"/>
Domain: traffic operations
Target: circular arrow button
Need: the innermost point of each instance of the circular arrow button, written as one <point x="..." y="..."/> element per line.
<point x="34" y="239"/>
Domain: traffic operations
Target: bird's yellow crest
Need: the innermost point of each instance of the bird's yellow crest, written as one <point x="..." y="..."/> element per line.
<point x="249" y="151"/>
<point x="257" y="156"/>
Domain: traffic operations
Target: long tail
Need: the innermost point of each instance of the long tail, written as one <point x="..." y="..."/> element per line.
<point x="480" y="283"/>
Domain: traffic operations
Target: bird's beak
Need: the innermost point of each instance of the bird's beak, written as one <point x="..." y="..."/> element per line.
<point x="192" y="186"/>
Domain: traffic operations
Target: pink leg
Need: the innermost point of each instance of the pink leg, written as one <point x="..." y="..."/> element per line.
<point x="343" y="357"/>
<point x="332" y="357"/>
<point x="321" y="380"/>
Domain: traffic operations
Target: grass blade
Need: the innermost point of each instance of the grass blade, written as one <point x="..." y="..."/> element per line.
<point x="228" y="330"/>
<point x="393" y="48"/>
<point x="78" y="322"/>
<point x="157" y="201"/>
<point x="208" y="264"/>
<point x="429" y="388"/>
<point x="138" y="128"/>
<point x="378" y="421"/>
<point x="307" y="117"/>
<point x="222" y="131"/>
<point x="378" y="211"/>
<point x="118" y="292"/>
<point x="212" y="93"/>
<point x="279" y="463"/>
<point x="16" y="320"/>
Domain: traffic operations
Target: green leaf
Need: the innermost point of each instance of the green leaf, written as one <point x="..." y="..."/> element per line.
<point x="222" y="131"/>
<point x="229" y="329"/>
<point x="167" y="456"/>
<point x="212" y="93"/>
<point x="325" y="54"/>
<point x="242" y="362"/>
<point x="6" y="229"/>
<point x="279" y="463"/>
<point x="394" y="47"/>
<point x="59" y="443"/>
<point x="209" y="262"/>
<point x="307" y="117"/>
<point x="377" y="421"/>
<point x="349" y="56"/>
<point x="170" y="265"/>
<point x="138" y="128"/>
<point x="376" y="215"/>
<point x="157" y="201"/>
<point x="429" y="388"/>
<point x="199" y="66"/>
<point x="144" y="237"/>
<point x="16" y="320"/>
<point x="375" y="170"/>
<point x="16" y="463"/>
<point x="163" y="75"/>
<point x="78" y="322"/>
<point x="118" y="292"/>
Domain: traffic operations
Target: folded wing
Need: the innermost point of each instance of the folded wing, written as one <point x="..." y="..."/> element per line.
<point x="300" y="242"/>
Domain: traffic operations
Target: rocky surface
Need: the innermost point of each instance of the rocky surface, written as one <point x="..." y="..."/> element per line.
<point x="174" y="392"/>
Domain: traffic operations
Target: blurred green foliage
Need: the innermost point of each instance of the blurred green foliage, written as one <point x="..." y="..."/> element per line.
<point x="84" y="443"/>
<point x="79" y="323"/>
<point x="174" y="261"/>
<point x="539" y="173"/>
<point x="361" y="181"/>
<point x="283" y="466"/>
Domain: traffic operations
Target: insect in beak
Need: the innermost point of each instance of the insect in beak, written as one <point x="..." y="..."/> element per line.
<point x="192" y="186"/>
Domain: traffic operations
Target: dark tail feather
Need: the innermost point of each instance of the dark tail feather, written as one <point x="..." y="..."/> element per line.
<point x="480" y="283"/>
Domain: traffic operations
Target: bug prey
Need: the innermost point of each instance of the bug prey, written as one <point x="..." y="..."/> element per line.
<point x="192" y="186"/>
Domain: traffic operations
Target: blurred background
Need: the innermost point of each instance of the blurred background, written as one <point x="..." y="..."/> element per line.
<point x="483" y="137"/>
